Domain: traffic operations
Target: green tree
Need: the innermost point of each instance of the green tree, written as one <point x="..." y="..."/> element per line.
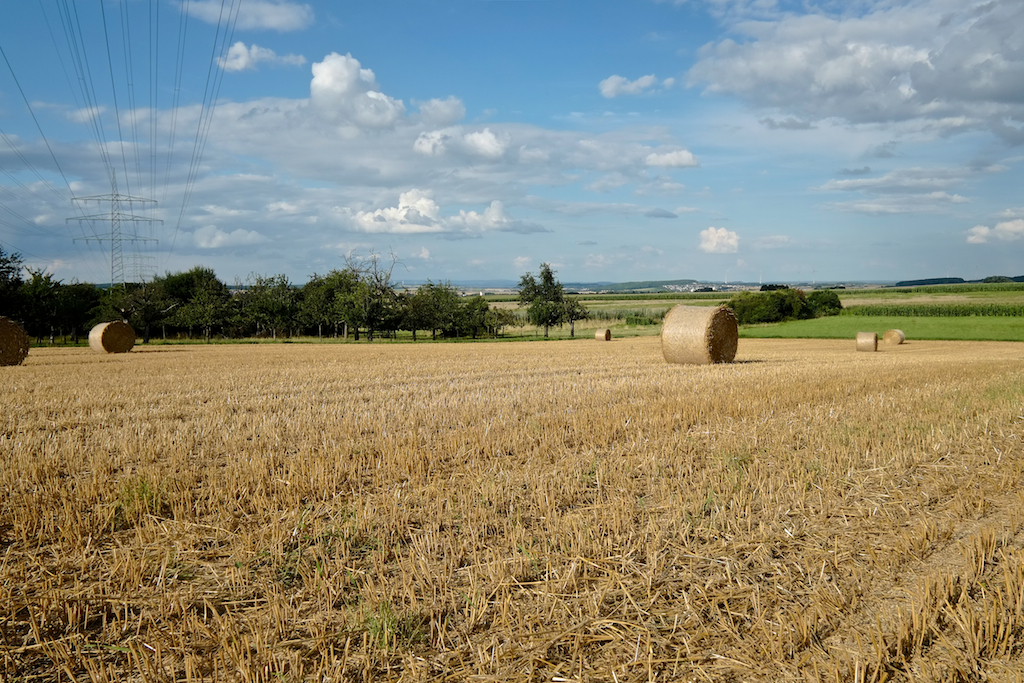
<point x="76" y="306"/>
<point x="574" y="310"/>
<point x="473" y="315"/>
<point x="770" y="306"/>
<point x="142" y="305"/>
<point x="374" y="304"/>
<point x="10" y="284"/>
<point x="197" y="299"/>
<point x="316" y="307"/>
<point x="39" y="295"/>
<point x="268" y="304"/>
<point x="438" y="308"/>
<point x="499" y="318"/>
<point x="418" y="314"/>
<point x="543" y="297"/>
<point x="824" y="302"/>
<point x="345" y="308"/>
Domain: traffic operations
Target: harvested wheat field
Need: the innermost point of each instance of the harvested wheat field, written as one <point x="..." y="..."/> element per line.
<point x="560" y="511"/>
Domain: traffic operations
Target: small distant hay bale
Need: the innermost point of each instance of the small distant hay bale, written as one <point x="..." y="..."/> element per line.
<point x="115" y="337"/>
<point x="699" y="335"/>
<point x="867" y="341"/>
<point x="14" y="342"/>
<point x="603" y="335"/>
<point x="894" y="337"/>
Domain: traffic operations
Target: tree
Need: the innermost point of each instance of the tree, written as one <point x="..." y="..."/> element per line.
<point x="197" y="299"/>
<point x="10" y="284"/>
<point x="770" y="306"/>
<point x="423" y="311"/>
<point x="824" y="302"/>
<point x="317" y="306"/>
<point x="76" y="305"/>
<point x="345" y="287"/>
<point x="375" y="304"/>
<point x="499" y="318"/>
<point x="268" y="304"/>
<point x="142" y="305"/>
<point x="544" y="298"/>
<point x="437" y="307"/>
<point x="473" y="315"/>
<point x="574" y="310"/>
<point x="39" y="301"/>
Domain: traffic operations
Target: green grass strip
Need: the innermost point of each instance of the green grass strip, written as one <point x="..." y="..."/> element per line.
<point x="977" y="328"/>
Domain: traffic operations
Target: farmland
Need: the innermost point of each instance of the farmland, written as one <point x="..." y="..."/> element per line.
<point x="562" y="510"/>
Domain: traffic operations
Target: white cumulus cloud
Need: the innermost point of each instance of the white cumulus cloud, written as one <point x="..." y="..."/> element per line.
<point x="431" y="142"/>
<point x="212" y="237"/>
<point x="719" y="241"/>
<point x="947" y="65"/>
<point x="343" y="91"/>
<point x="445" y="112"/>
<point x="417" y="212"/>
<point x="486" y="144"/>
<point x="1007" y="231"/>
<point x="613" y="86"/>
<point x="277" y="15"/>
<point x="680" y="158"/>
<point x="493" y="218"/>
<point x="240" y="57"/>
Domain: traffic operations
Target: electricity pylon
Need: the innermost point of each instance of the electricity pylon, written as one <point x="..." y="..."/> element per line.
<point x="116" y="217"/>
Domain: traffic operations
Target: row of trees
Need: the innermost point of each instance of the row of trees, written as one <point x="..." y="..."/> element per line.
<point x="358" y="299"/>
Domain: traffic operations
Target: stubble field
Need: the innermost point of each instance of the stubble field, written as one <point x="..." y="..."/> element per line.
<point x="539" y="511"/>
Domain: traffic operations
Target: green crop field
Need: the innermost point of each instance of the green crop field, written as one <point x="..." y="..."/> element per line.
<point x="979" y="328"/>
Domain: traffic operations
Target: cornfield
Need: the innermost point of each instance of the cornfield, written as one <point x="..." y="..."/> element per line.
<point x="936" y="310"/>
<point x="560" y="511"/>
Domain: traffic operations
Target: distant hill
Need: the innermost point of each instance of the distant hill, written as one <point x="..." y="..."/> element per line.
<point x="956" y="281"/>
<point x="641" y="286"/>
<point x="931" y="281"/>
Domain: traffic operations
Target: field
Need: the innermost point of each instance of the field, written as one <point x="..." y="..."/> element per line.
<point x="963" y="328"/>
<point x="551" y="511"/>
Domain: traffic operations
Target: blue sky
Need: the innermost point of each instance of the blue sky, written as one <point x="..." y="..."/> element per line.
<point x="474" y="139"/>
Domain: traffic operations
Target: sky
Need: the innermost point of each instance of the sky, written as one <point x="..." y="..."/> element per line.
<point x="473" y="140"/>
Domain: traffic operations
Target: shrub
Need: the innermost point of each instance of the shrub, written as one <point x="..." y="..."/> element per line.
<point x="770" y="307"/>
<point x="824" y="302"/>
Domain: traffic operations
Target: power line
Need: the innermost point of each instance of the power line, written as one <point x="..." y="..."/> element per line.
<point x="116" y="217"/>
<point x="123" y="93"/>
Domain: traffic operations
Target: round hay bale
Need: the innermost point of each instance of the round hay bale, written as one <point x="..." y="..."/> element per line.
<point x="115" y="337"/>
<point x="867" y="341"/>
<point x="603" y="335"/>
<point x="894" y="337"/>
<point x="13" y="342"/>
<point x="699" y="335"/>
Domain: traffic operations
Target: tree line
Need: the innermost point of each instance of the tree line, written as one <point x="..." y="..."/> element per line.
<point x="359" y="300"/>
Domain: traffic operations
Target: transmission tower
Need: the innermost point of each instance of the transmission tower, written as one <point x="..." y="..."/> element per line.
<point x="116" y="217"/>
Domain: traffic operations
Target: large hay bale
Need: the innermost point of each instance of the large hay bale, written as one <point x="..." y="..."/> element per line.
<point x="115" y="337"/>
<point x="894" y="337"/>
<point x="699" y="335"/>
<point x="13" y="342"/>
<point x="603" y="335"/>
<point x="867" y="341"/>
